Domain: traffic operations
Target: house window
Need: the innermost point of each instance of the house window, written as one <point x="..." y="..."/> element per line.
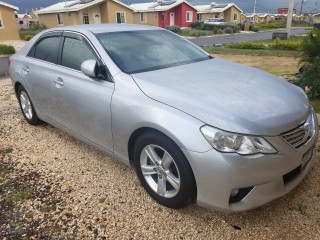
<point x="85" y="17"/>
<point x="1" y="22"/>
<point x="199" y="17"/>
<point x="235" y="16"/>
<point x="143" y="17"/>
<point x="189" y="16"/>
<point x="162" y="18"/>
<point x="121" y="18"/>
<point x="60" y="19"/>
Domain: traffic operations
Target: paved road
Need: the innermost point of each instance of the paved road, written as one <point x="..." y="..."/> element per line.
<point x="239" y="37"/>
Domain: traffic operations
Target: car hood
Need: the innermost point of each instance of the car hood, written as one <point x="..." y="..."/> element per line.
<point x="228" y="96"/>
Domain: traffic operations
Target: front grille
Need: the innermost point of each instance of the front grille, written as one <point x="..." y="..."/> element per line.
<point x="298" y="136"/>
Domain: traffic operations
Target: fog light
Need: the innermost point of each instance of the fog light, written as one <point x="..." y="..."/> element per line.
<point x="234" y="192"/>
<point x="238" y="194"/>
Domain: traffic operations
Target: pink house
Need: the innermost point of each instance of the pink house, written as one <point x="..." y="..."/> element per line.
<point x="180" y="12"/>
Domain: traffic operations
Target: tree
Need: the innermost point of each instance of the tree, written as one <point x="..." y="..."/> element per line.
<point x="310" y="62"/>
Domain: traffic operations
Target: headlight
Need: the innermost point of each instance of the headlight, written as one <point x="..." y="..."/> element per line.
<point x="232" y="142"/>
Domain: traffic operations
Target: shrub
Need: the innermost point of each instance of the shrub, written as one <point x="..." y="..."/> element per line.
<point x="255" y="29"/>
<point x="194" y="32"/>
<point x="310" y="47"/>
<point x="285" y="45"/>
<point x="197" y="25"/>
<point x="7" y="49"/>
<point x="174" y="28"/>
<point x="215" y="31"/>
<point x="220" y="31"/>
<point x="32" y="30"/>
<point x="310" y="79"/>
<point x="236" y="29"/>
<point x="246" y="45"/>
<point x="27" y="37"/>
<point x="270" y="25"/>
<point x="228" y="30"/>
<point x="310" y="59"/>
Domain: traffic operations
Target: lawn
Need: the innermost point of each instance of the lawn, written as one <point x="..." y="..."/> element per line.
<point x="316" y="105"/>
<point x="276" y="62"/>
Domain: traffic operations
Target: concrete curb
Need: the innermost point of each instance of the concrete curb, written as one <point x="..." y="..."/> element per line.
<point x="4" y="66"/>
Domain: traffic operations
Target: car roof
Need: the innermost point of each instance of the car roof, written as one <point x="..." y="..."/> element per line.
<point x="102" y="28"/>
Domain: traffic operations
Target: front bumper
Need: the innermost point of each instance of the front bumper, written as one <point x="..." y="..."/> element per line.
<point x="270" y="176"/>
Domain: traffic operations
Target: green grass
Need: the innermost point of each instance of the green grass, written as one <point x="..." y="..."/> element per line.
<point x="3" y="170"/>
<point x="21" y="196"/>
<point x="48" y="209"/>
<point x="302" y="209"/>
<point x="5" y="150"/>
<point x="316" y="105"/>
<point x="259" y="52"/>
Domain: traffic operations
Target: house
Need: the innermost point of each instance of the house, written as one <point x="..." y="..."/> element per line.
<point x="251" y="17"/>
<point x="285" y="11"/>
<point x="8" y="25"/>
<point x="316" y="18"/>
<point x="85" y="12"/>
<point x="230" y="12"/>
<point x="165" y="13"/>
<point x="27" y="20"/>
<point x="263" y="17"/>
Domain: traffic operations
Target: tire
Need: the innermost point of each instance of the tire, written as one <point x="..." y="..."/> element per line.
<point x="27" y="107"/>
<point x="163" y="170"/>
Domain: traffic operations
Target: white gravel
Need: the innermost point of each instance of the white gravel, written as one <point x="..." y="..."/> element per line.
<point x="102" y="199"/>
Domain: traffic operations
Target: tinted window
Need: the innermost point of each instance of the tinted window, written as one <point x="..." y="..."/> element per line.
<point x="74" y="53"/>
<point x="140" y="51"/>
<point x="47" y="49"/>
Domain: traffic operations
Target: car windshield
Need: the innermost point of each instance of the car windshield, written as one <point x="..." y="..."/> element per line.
<point x="142" y="51"/>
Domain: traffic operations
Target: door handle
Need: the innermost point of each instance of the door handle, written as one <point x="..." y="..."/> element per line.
<point x="25" y="70"/>
<point x="58" y="83"/>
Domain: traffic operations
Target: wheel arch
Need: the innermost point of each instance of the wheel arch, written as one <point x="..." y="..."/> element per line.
<point x="135" y="135"/>
<point x="16" y="87"/>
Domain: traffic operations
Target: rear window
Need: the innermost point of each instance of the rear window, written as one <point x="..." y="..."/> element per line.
<point x="46" y="49"/>
<point x="141" y="51"/>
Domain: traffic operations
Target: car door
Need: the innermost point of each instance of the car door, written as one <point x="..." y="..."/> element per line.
<point x="82" y="104"/>
<point x="38" y="71"/>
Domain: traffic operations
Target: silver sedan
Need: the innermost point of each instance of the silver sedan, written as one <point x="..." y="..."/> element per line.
<point x="194" y="127"/>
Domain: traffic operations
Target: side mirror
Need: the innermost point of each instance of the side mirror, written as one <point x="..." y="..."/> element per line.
<point x="89" y="68"/>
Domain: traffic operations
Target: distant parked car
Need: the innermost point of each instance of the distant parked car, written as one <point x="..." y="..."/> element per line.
<point x="193" y="126"/>
<point x="215" y="21"/>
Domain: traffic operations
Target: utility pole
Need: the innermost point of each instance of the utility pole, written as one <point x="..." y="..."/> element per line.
<point x="289" y="19"/>
<point x="254" y="7"/>
<point x="302" y="3"/>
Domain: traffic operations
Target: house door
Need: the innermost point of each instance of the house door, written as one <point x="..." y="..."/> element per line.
<point x="171" y="19"/>
<point x="97" y="18"/>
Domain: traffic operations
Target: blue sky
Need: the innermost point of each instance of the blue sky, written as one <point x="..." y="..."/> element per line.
<point x="246" y="5"/>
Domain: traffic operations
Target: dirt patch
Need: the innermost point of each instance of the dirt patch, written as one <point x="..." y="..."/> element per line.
<point x="279" y="66"/>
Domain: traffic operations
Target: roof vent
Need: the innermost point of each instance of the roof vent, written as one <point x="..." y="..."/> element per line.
<point x="85" y="1"/>
<point x="166" y="2"/>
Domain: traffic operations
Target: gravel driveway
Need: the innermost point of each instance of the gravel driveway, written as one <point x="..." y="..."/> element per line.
<point x="53" y="186"/>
